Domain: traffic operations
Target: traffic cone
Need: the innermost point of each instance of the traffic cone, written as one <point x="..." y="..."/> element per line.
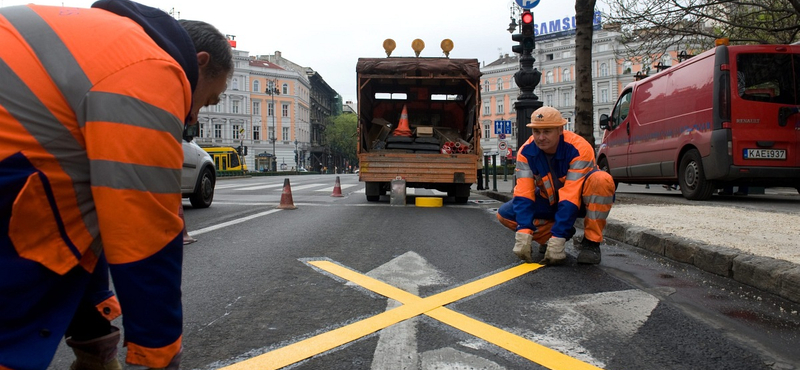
<point x="286" y="196"/>
<point x="402" y="127"/>
<point x="337" y="189"/>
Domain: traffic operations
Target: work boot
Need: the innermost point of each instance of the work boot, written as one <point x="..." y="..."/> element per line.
<point x="590" y="252"/>
<point x="542" y="248"/>
<point x="96" y="354"/>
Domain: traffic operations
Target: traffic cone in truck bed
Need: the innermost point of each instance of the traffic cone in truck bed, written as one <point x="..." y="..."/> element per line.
<point x="402" y="127"/>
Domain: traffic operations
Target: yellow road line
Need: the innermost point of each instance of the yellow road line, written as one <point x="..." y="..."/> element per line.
<point x="414" y="306"/>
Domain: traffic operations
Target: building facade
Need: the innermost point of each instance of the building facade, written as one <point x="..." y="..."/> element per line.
<point x="612" y="70"/>
<point x="267" y="108"/>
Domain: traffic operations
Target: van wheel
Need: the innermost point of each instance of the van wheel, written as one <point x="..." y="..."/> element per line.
<point x="204" y="195"/>
<point x="603" y="165"/>
<point x="692" y="178"/>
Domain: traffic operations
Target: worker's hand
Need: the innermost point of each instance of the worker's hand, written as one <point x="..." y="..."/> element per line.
<point x="522" y="246"/>
<point x="555" y="252"/>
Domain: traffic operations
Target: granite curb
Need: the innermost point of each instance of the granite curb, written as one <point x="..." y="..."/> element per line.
<point x="771" y="275"/>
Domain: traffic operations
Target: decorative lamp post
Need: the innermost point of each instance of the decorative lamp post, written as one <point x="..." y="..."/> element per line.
<point x="526" y="77"/>
<point x="272" y="90"/>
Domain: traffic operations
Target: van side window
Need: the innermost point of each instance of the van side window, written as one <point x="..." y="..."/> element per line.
<point x="621" y="109"/>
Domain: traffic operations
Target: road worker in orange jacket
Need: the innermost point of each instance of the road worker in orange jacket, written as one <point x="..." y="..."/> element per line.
<point x="557" y="182"/>
<point x="93" y="104"/>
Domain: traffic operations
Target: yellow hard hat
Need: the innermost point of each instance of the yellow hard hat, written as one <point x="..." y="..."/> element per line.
<point x="546" y="117"/>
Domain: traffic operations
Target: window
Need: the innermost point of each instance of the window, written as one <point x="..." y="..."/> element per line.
<point x="271" y="132"/>
<point x="256" y="86"/>
<point x="566" y="54"/>
<point x="566" y="99"/>
<point x="627" y="67"/>
<point x="548" y="57"/>
<point x="486" y="86"/>
<point x="270" y="109"/>
<point x="513" y="83"/>
<point x="285" y="133"/>
<point x="235" y="83"/>
<point x="235" y="107"/>
<point x="603" y="70"/>
<point x="666" y="60"/>
<point x="500" y="106"/>
<point x="487" y="110"/>
<point x="621" y="109"/>
<point x="487" y="130"/>
<point x="284" y="110"/>
<point x="256" y="132"/>
<point x="499" y="84"/>
<point x="604" y="95"/>
<point x="549" y="77"/>
<point x="235" y="132"/>
<point x="285" y="89"/>
<point x="548" y="100"/>
<point x="217" y="131"/>
<point x="257" y="108"/>
<point x="565" y="75"/>
<point x="202" y="129"/>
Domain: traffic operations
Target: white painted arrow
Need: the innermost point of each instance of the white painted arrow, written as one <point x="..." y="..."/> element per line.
<point x="397" y="344"/>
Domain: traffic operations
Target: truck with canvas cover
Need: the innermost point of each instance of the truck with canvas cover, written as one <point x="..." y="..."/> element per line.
<point x="418" y="121"/>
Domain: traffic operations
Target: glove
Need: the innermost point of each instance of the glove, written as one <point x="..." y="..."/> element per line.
<point x="522" y="247"/>
<point x="555" y="252"/>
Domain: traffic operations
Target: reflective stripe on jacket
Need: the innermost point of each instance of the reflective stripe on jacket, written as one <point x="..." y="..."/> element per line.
<point x="91" y="118"/>
<point x="536" y="184"/>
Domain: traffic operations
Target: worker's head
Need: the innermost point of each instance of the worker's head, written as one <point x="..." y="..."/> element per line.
<point x="547" y="126"/>
<point x="215" y="62"/>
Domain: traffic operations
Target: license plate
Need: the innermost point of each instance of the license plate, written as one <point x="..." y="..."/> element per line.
<point x="764" y="154"/>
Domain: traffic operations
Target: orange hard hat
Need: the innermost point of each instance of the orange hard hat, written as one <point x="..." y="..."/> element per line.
<point x="546" y="117"/>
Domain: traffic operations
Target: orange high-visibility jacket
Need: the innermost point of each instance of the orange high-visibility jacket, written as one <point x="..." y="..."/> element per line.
<point x="536" y="178"/>
<point x="91" y="118"/>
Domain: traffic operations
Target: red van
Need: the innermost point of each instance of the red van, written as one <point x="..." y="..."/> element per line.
<point x="726" y="117"/>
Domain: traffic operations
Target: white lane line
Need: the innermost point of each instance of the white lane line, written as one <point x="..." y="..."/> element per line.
<point x="302" y="187"/>
<point x="232" y="222"/>
<point x="341" y="186"/>
<point x="259" y="187"/>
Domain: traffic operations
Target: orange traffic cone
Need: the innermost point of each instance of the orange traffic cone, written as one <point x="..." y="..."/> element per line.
<point x="402" y="127"/>
<point x="286" y="196"/>
<point x="337" y="189"/>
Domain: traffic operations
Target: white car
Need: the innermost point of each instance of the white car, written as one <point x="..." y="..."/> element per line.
<point x="198" y="176"/>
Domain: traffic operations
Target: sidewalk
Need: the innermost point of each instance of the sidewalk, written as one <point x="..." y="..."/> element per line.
<point x="776" y="276"/>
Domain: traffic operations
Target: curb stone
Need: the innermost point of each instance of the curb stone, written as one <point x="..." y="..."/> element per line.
<point x="772" y="275"/>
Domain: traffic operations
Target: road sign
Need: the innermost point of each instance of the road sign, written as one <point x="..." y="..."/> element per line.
<point x="502" y="127"/>
<point x="501" y="136"/>
<point x="527" y="4"/>
<point x="502" y="145"/>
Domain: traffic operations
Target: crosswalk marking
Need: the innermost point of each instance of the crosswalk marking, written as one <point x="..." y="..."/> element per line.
<point x="341" y="186"/>
<point x="259" y="187"/>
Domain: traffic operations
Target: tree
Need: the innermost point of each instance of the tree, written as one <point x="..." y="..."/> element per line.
<point x="340" y="135"/>
<point x="584" y="108"/>
<point x="652" y="27"/>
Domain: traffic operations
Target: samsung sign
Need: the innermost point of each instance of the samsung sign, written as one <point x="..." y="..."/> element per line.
<point x="560" y="27"/>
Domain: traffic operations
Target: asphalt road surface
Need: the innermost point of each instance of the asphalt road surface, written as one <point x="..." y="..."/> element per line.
<point x="342" y="283"/>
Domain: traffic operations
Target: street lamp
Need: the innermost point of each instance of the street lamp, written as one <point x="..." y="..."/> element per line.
<point x="296" y="156"/>
<point x="272" y="90"/>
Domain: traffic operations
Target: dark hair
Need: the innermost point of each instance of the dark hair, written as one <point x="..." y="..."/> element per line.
<point x="208" y="38"/>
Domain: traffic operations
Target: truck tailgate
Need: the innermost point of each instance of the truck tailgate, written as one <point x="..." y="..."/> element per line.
<point x="424" y="168"/>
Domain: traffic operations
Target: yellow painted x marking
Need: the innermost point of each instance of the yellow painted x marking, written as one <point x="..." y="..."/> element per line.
<point x="413" y="306"/>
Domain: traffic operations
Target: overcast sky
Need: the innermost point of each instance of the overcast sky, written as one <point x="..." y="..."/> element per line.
<point x="329" y="36"/>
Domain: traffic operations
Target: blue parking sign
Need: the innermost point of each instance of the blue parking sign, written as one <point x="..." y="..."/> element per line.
<point x="507" y="127"/>
<point x="502" y="127"/>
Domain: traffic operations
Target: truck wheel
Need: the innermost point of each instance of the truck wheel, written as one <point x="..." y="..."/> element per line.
<point x="373" y="191"/>
<point x="603" y="165"/>
<point x="204" y="195"/>
<point x="461" y="193"/>
<point x="692" y="178"/>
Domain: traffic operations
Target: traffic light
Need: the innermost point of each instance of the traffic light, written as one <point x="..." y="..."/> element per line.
<point x="525" y="37"/>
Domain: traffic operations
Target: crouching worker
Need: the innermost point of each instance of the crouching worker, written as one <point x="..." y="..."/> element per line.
<point x="557" y="182"/>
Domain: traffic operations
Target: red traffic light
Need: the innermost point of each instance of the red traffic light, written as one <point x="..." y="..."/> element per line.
<point x="527" y="17"/>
